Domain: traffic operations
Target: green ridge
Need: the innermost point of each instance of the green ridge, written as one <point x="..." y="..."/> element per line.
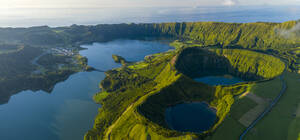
<point x="135" y="97"/>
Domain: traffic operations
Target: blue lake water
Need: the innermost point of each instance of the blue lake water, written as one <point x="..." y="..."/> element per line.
<point x="190" y="117"/>
<point x="24" y="17"/>
<point x="218" y="80"/>
<point x="68" y="111"/>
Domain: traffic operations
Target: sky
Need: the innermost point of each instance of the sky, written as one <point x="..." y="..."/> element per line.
<point x="26" y="13"/>
<point x="136" y="3"/>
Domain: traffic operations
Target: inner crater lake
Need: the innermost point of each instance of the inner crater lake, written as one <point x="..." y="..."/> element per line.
<point x="219" y="80"/>
<point x="190" y="117"/>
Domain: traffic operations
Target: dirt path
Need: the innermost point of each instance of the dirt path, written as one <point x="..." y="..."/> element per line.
<point x="110" y="128"/>
<point x="34" y="61"/>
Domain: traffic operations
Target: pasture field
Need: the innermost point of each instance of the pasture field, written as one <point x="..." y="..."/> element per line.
<point x="232" y="128"/>
<point x="281" y="123"/>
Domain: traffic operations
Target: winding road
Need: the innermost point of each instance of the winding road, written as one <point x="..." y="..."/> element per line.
<point x="34" y="61"/>
<point x="268" y="109"/>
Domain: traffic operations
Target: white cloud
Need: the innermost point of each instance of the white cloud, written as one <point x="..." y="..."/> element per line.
<point x="293" y="32"/>
<point x="229" y="3"/>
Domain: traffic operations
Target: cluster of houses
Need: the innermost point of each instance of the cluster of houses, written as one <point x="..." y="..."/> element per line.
<point x="63" y="51"/>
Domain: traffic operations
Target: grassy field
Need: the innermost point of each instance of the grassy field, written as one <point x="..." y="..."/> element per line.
<point x="231" y="128"/>
<point x="267" y="90"/>
<point x="252" y="114"/>
<point x="281" y="123"/>
<point x="241" y="106"/>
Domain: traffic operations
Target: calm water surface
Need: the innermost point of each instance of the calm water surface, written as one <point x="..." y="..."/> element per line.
<point x="190" y="117"/>
<point x="219" y="80"/>
<point x="68" y="111"/>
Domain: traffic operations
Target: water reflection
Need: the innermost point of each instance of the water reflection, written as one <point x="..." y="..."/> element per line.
<point x="68" y="112"/>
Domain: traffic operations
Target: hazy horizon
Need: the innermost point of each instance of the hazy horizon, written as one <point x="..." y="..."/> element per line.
<point x="54" y="17"/>
<point x="149" y="69"/>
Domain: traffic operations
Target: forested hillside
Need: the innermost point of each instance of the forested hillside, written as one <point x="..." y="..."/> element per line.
<point x="246" y="35"/>
<point x="279" y="39"/>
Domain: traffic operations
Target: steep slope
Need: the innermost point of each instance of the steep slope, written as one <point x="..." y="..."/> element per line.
<point x="248" y="65"/>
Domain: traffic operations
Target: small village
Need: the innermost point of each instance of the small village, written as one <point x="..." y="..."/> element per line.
<point x="63" y="51"/>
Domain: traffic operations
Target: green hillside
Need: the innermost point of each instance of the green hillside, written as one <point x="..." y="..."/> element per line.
<point x="135" y="97"/>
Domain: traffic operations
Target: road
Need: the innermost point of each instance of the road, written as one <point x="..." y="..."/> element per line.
<point x="268" y="109"/>
<point x="34" y="61"/>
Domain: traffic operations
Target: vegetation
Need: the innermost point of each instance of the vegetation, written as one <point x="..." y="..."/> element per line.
<point x="267" y="90"/>
<point x="232" y="128"/>
<point x="18" y="63"/>
<point x="20" y="71"/>
<point x="247" y="65"/>
<point x="119" y="59"/>
<point x="10" y="48"/>
<point x="135" y="97"/>
<point x="253" y="63"/>
<point x="282" y="122"/>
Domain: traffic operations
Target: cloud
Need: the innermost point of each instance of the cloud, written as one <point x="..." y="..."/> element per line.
<point x="229" y="2"/>
<point x="291" y="33"/>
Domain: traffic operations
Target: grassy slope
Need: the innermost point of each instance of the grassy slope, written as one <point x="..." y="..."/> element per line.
<point x="252" y="62"/>
<point x="131" y="122"/>
<point x="262" y="36"/>
<point x="129" y="106"/>
<point x="244" y="64"/>
<point x="248" y="35"/>
<point x="265" y="37"/>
